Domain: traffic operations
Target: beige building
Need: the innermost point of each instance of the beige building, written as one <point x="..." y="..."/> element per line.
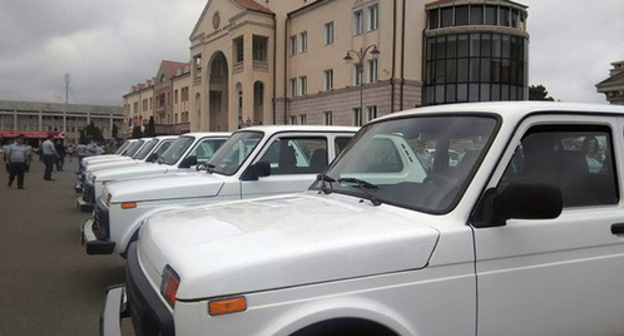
<point x="613" y="87"/>
<point x="36" y="119"/>
<point x="284" y="61"/>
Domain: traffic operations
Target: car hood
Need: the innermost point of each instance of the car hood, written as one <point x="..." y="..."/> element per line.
<point x="165" y="187"/>
<point x="104" y="158"/>
<point x="135" y="171"/>
<point x="280" y="242"/>
<point x="99" y="166"/>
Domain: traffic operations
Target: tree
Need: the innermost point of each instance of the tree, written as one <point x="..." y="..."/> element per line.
<point x="115" y="131"/>
<point x="91" y="132"/>
<point x="538" y="92"/>
<point x="150" y="130"/>
<point x="136" y="132"/>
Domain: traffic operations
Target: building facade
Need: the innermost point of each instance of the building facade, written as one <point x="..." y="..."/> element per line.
<point x="613" y="87"/>
<point x="345" y="62"/>
<point x="27" y="117"/>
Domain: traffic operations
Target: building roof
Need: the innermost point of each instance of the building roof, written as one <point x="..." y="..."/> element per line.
<point x="617" y="79"/>
<point x="254" y="6"/>
<point x="171" y="67"/>
<point x="445" y="2"/>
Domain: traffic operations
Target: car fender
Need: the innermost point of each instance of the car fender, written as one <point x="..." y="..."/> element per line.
<point x="291" y="321"/>
<point x="129" y="231"/>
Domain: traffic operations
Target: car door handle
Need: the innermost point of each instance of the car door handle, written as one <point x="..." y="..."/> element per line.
<point x="617" y="229"/>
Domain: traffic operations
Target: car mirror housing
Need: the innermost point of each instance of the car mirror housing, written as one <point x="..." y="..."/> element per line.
<point x="256" y="170"/>
<point x="519" y="201"/>
<point x="152" y="158"/>
<point x="188" y="162"/>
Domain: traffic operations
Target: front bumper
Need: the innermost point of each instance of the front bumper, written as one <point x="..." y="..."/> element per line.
<point x="91" y="242"/>
<point x="78" y="188"/>
<point x="115" y="309"/>
<point x="83" y="205"/>
<point x="150" y="316"/>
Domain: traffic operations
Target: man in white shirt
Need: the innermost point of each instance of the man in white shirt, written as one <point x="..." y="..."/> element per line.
<point x="5" y="148"/>
<point x="17" y="156"/>
<point x="49" y="157"/>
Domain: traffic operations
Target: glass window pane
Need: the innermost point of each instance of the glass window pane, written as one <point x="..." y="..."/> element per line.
<point x="462" y="45"/>
<point x="451" y="46"/>
<point x="447" y="17"/>
<point x="491" y="15"/>
<point x="429" y="79"/>
<point x="485" y="92"/>
<point x="450" y="93"/>
<point x="474" y="70"/>
<point x="496" y="45"/>
<point x="504" y="19"/>
<point x="495" y="68"/>
<point x="475" y="45"/>
<point x="451" y="74"/>
<point x="514" y="18"/>
<point x="461" y="15"/>
<point x="440" y="72"/>
<point x="505" y="71"/>
<point x="429" y="95"/>
<point x="439" y="94"/>
<point x="513" y="78"/>
<point x="431" y="48"/>
<point x="495" y="92"/>
<point x="474" y="93"/>
<point x="440" y="47"/>
<point x="486" y="45"/>
<point x="476" y="14"/>
<point x="485" y="70"/>
<point x="462" y="92"/>
<point x="504" y="92"/>
<point x="520" y="93"/>
<point x="506" y="46"/>
<point x="462" y="70"/>
<point x="433" y="19"/>
<point x="513" y="93"/>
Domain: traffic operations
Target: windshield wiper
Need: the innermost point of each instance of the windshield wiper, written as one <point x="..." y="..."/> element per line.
<point x="325" y="178"/>
<point x="364" y="186"/>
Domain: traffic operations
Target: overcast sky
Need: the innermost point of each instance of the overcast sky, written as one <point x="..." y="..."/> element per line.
<point x="107" y="46"/>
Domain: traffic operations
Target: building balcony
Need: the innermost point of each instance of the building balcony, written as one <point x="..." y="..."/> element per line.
<point x="261" y="66"/>
<point x="173" y="129"/>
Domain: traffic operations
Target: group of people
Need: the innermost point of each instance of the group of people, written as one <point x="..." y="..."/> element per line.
<point x="18" y="157"/>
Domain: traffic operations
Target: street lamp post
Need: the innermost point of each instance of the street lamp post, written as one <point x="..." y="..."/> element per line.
<point x="359" y="66"/>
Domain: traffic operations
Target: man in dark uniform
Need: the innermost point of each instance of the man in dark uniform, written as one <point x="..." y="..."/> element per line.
<point x="17" y="156"/>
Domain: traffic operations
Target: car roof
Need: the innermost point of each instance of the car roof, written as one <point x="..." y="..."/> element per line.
<point x="272" y="129"/>
<point x="163" y="137"/>
<point x="205" y="134"/>
<point x="513" y="110"/>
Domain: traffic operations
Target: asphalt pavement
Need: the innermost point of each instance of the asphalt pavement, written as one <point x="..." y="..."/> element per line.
<point x="48" y="284"/>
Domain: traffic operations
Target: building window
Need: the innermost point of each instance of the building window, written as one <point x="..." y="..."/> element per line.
<point x="293" y="120"/>
<point x="329" y="33"/>
<point x="447" y="17"/>
<point x="303" y="39"/>
<point x="372" y="71"/>
<point x="358" y="18"/>
<point x="293" y="45"/>
<point x="293" y="87"/>
<point x="373" y="17"/>
<point x="357" y="74"/>
<point x="491" y="15"/>
<point x="329" y="79"/>
<point x="198" y="63"/>
<point x="303" y="85"/>
<point x="461" y="15"/>
<point x="476" y="14"/>
<point x="303" y="119"/>
<point x="175" y="97"/>
<point x="371" y="113"/>
<point x="357" y="116"/>
<point x="144" y="104"/>
<point x="240" y="50"/>
<point x="327" y="118"/>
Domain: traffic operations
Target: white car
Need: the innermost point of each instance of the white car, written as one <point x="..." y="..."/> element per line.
<point x="514" y="240"/>
<point x="187" y="151"/>
<point x="254" y="162"/>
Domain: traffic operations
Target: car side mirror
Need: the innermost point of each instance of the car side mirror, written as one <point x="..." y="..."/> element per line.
<point x="256" y="170"/>
<point x="188" y="162"/>
<point x="519" y="201"/>
<point x="152" y="157"/>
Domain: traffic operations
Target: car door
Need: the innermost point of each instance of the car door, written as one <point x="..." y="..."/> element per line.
<point x="561" y="276"/>
<point x="295" y="160"/>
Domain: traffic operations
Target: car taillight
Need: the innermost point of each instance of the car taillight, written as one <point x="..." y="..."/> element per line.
<point x="169" y="285"/>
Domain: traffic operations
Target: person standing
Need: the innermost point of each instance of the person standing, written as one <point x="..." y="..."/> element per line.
<point x="70" y="152"/>
<point x="17" y="156"/>
<point x="81" y="152"/>
<point x="60" y="150"/>
<point x="49" y="157"/>
<point x="5" y="148"/>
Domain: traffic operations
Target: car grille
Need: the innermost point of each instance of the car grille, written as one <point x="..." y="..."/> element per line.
<point x="88" y="193"/>
<point x="149" y="314"/>
<point x="101" y="221"/>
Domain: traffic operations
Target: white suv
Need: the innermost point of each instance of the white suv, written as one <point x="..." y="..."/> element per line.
<point x="524" y="236"/>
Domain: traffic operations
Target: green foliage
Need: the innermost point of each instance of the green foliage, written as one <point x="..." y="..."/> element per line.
<point x="150" y="130"/>
<point x="136" y="132"/>
<point x="91" y="132"/>
<point x="538" y="92"/>
<point x="115" y="131"/>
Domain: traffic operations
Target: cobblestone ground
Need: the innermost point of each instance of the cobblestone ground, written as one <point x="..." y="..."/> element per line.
<point x="49" y="285"/>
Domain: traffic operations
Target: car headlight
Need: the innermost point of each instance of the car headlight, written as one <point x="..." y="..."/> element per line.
<point x="169" y="285"/>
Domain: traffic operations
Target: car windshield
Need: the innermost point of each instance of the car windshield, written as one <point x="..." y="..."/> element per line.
<point x="175" y="152"/>
<point x="146" y="149"/>
<point x="134" y="148"/>
<point x="121" y="148"/>
<point x="421" y="163"/>
<point x="234" y="152"/>
<point x="164" y="145"/>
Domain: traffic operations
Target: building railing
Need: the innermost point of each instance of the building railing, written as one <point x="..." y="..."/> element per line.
<point x="238" y="67"/>
<point x="261" y="66"/>
<point x="173" y="129"/>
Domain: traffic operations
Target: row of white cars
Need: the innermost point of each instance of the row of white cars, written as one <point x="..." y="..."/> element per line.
<point x="515" y="235"/>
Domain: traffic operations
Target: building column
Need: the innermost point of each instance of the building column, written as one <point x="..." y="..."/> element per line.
<point x="40" y="115"/>
<point x="15" y="120"/>
<point x="248" y="83"/>
<point x="110" y="127"/>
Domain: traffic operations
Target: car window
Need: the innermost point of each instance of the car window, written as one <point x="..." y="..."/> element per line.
<point x="578" y="159"/>
<point x="297" y="155"/>
<point x="173" y="153"/>
<point x="146" y="149"/>
<point x="206" y="149"/>
<point x="341" y="144"/>
<point x="163" y="147"/>
<point x="235" y="151"/>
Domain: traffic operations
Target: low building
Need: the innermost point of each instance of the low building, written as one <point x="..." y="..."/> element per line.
<point x="613" y="87"/>
<point x="38" y="118"/>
